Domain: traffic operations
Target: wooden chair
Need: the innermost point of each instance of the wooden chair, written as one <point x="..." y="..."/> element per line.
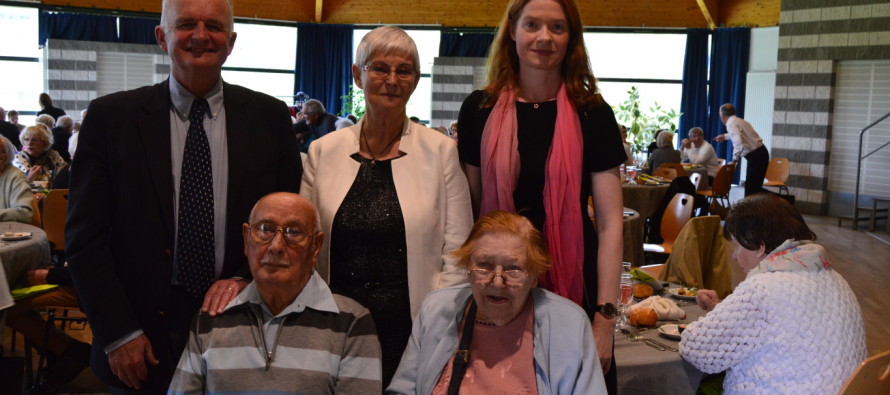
<point x="871" y="377"/>
<point x="722" y="185"/>
<point x="55" y="211"/>
<point x="675" y="217"/>
<point x="35" y="207"/>
<point x="695" y="178"/>
<point x="665" y="172"/>
<point x="676" y="166"/>
<point x="777" y="173"/>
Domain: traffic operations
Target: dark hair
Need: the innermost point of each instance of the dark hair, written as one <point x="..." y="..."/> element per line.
<point x="503" y="62"/>
<point x="537" y="257"/>
<point x="765" y="220"/>
<point x="727" y="110"/>
<point x="45" y="100"/>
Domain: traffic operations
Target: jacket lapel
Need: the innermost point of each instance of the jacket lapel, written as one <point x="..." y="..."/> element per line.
<point x="154" y="130"/>
<point x="237" y="141"/>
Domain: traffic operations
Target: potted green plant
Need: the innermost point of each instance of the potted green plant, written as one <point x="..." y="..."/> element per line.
<point x="642" y="126"/>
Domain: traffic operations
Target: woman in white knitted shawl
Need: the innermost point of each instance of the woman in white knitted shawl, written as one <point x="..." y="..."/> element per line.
<point x="793" y="326"/>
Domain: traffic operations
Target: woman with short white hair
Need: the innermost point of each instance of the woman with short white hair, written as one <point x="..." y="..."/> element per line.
<point x="36" y="159"/>
<point x="15" y="194"/>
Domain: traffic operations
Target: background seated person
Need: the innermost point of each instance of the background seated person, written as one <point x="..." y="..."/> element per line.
<point x="696" y="150"/>
<point x="36" y="159"/>
<point x="665" y="153"/>
<point x="793" y="325"/>
<point x="286" y="332"/>
<point x="15" y="193"/>
<point x="511" y="321"/>
<point x="65" y="357"/>
<point x="316" y="123"/>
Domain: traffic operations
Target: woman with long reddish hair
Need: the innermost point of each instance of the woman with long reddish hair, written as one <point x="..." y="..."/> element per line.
<point x="538" y="140"/>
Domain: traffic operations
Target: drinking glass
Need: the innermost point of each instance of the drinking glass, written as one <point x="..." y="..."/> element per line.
<point x="625" y="296"/>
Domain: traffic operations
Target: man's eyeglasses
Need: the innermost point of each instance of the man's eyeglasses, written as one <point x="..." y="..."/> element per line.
<point x="264" y="233"/>
<point x="512" y="277"/>
<point x="381" y="71"/>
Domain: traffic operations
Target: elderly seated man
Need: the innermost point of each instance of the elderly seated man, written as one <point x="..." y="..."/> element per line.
<point x="316" y="123"/>
<point x="286" y="332"/>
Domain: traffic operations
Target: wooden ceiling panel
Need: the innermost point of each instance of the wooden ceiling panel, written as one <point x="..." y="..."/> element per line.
<point x="481" y="13"/>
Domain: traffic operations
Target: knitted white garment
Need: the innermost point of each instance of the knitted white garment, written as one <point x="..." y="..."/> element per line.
<point x="781" y="333"/>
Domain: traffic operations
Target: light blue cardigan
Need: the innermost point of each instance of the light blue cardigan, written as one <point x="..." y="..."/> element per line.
<point x="566" y="361"/>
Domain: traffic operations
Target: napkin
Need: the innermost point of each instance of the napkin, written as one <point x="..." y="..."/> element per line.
<point x="21" y="293"/>
<point x="644" y="277"/>
<point x="664" y="307"/>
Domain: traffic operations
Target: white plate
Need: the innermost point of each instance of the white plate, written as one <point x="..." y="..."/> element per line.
<point x="673" y="292"/>
<point x="15" y="236"/>
<point x="670" y="331"/>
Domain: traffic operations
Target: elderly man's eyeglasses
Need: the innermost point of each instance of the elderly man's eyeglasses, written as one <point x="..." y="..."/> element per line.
<point x="264" y="233"/>
<point x="381" y="71"/>
<point x="511" y="277"/>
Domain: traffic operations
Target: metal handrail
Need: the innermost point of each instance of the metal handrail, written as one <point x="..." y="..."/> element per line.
<point x="859" y="166"/>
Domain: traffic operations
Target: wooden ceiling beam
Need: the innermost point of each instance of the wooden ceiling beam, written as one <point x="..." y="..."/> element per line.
<point x="706" y="13"/>
<point x="318" y="7"/>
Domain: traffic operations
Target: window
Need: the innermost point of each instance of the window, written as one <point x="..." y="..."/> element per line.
<point x="427" y="41"/>
<point x="653" y="62"/>
<point x="20" y="57"/>
<point x="263" y="59"/>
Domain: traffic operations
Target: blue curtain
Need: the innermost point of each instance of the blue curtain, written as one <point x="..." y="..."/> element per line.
<point x="694" y="101"/>
<point x="324" y="63"/>
<point x="138" y="30"/>
<point x="77" y="27"/>
<point x="474" y="45"/>
<point x="729" y="68"/>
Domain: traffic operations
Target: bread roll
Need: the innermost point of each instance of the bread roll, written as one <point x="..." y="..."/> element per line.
<point x="643" y="291"/>
<point x="643" y="316"/>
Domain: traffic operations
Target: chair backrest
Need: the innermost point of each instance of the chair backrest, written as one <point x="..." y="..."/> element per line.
<point x="678" y="212"/>
<point x="778" y="170"/>
<point x="35" y="207"/>
<point x="871" y="377"/>
<point x="695" y="178"/>
<point x="681" y="171"/>
<point x="723" y="180"/>
<point x="665" y="172"/>
<point x="55" y="211"/>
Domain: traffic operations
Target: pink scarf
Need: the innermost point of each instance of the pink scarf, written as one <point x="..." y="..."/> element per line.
<point x="562" y="186"/>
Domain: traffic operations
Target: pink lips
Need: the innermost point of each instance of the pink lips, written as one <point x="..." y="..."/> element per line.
<point x="496" y="299"/>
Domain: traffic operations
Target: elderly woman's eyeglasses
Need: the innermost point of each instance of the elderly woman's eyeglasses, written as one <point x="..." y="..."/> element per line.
<point x="264" y="233"/>
<point x="511" y="277"/>
<point x="381" y="71"/>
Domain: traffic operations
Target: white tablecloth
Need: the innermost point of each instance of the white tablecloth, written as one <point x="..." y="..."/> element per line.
<point x="17" y="258"/>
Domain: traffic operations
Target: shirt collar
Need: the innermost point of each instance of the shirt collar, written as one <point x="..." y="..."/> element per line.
<point x="315" y="295"/>
<point x="182" y="99"/>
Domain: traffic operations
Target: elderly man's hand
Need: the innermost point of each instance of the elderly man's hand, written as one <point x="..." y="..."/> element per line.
<point x="603" y="335"/>
<point x="127" y="362"/>
<point x="220" y="294"/>
<point x="720" y="138"/>
<point x="36" y="277"/>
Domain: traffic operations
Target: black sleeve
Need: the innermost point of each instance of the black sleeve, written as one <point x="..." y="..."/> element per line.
<point x="470" y="123"/>
<point x="603" y="149"/>
<point x="59" y="275"/>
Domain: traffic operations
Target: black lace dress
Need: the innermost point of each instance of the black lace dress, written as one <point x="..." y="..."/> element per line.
<point x="369" y="261"/>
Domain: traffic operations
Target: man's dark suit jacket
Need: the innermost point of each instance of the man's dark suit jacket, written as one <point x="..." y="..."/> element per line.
<point x="11" y="132"/>
<point x="120" y="230"/>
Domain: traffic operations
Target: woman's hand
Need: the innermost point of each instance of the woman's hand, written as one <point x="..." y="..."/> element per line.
<point x="604" y="335"/>
<point x="34" y="173"/>
<point x="707" y="299"/>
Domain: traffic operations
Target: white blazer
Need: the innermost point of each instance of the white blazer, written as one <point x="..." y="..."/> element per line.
<point x="433" y="194"/>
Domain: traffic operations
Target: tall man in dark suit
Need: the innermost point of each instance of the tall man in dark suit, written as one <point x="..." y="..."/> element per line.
<point x="163" y="179"/>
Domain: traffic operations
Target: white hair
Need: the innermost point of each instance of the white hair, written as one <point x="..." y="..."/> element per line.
<point x="386" y="41"/>
<point x="167" y="4"/>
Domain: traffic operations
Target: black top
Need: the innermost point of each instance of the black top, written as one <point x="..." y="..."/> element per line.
<point x="369" y="259"/>
<point x="60" y="142"/>
<point x="603" y="150"/>
<point x="11" y="132"/>
<point x="55" y="112"/>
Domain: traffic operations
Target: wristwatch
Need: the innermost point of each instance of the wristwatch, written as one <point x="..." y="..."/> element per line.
<point x="608" y="310"/>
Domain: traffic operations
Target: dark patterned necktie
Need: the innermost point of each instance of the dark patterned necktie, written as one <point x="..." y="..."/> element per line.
<point x="195" y="266"/>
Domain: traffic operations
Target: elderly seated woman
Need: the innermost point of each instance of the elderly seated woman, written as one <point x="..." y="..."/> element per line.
<point x="15" y="194"/>
<point x="36" y="159"/>
<point x="511" y="336"/>
<point x="793" y="325"/>
<point x="665" y="153"/>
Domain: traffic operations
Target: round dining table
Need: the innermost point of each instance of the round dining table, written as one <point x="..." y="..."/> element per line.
<point x="18" y="255"/>
<point x="645" y="370"/>
<point x="643" y="198"/>
<point x="633" y="237"/>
